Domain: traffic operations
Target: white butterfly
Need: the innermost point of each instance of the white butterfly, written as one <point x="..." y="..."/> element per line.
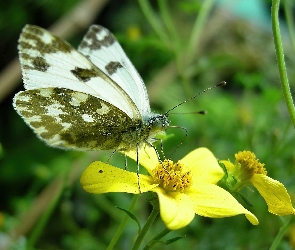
<point x="88" y="99"/>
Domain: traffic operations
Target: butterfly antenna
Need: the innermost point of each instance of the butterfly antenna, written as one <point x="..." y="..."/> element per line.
<point x="202" y="112"/>
<point x="223" y="83"/>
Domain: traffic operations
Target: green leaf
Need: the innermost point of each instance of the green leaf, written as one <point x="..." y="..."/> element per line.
<point x="246" y="200"/>
<point x="167" y="242"/>
<point x="132" y="217"/>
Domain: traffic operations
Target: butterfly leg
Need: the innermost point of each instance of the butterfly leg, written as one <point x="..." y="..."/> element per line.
<point x="111" y="156"/>
<point x="125" y="166"/>
<point x="179" y="144"/>
<point x="162" y="148"/>
<point x="158" y="155"/>
<point x="156" y="150"/>
<point x="137" y="170"/>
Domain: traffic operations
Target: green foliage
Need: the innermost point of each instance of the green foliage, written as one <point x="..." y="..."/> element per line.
<point x="15" y="13"/>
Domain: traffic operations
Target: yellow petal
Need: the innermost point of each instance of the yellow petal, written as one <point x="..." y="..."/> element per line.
<point x="212" y="201"/>
<point x="147" y="157"/>
<point x="203" y="166"/>
<point x="175" y="208"/>
<point x="100" y="177"/>
<point x="274" y="193"/>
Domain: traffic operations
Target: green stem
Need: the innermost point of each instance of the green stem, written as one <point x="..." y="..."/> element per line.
<point x="146" y="227"/>
<point x="168" y="21"/>
<point x="281" y="60"/>
<point x="123" y="224"/>
<point x="280" y="235"/>
<point x="159" y="236"/>
<point x="193" y="44"/>
<point x="153" y="20"/>
<point x="198" y="27"/>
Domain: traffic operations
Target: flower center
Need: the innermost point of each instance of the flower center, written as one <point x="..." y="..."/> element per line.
<point x="171" y="176"/>
<point x="239" y="174"/>
<point x="248" y="164"/>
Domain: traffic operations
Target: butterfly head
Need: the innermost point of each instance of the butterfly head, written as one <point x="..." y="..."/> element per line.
<point x="157" y="123"/>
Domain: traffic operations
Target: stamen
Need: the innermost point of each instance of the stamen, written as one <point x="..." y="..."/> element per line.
<point x="248" y="163"/>
<point x="171" y="176"/>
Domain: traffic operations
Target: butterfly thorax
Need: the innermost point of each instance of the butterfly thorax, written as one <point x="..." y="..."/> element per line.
<point x="145" y="131"/>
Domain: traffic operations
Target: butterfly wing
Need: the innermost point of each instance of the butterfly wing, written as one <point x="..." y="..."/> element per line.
<point x="70" y="119"/>
<point x="102" y="48"/>
<point x="50" y="62"/>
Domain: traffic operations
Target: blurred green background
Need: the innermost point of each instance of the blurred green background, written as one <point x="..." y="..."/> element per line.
<point x="197" y="45"/>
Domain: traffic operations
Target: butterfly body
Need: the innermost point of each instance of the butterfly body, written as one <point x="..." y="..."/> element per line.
<point x="88" y="99"/>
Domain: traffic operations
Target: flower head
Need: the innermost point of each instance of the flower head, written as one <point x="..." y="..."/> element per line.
<point x="171" y="176"/>
<point x="184" y="188"/>
<point x="248" y="170"/>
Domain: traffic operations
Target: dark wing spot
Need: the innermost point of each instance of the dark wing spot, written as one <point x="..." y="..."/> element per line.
<point x="40" y="64"/>
<point x="112" y="67"/>
<point x="35" y="34"/>
<point x="84" y="74"/>
<point x="93" y="43"/>
<point x="100" y="171"/>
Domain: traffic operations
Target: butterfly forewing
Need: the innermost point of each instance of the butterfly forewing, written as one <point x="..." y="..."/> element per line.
<point x="48" y="61"/>
<point x="102" y="48"/>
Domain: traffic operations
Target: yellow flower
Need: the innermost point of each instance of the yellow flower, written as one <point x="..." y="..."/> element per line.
<point x="184" y="189"/>
<point x="248" y="170"/>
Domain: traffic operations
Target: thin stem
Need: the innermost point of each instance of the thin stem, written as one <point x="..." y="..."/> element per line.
<point x="155" y="240"/>
<point x="198" y="27"/>
<point x="177" y="49"/>
<point x="153" y="20"/>
<point x="192" y="45"/>
<point x="174" y="36"/>
<point x="123" y="224"/>
<point x="146" y="227"/>
<point x="165" y="13"/>
<point x="280" y="235"/>
<point x="281" y="60"/>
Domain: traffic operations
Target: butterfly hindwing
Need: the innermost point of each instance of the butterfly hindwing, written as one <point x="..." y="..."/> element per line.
<point x="70" y="119"/>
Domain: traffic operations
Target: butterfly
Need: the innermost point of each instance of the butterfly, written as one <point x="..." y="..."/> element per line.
<point x="87" y="99"/>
